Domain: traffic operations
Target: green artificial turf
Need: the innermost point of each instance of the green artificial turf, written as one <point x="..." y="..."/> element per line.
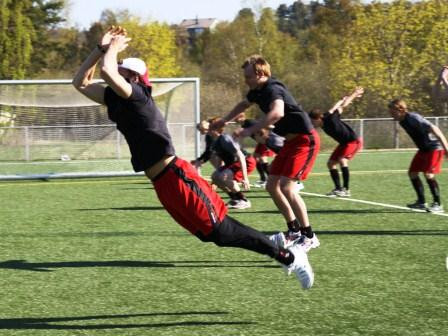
<point x="102" y="257"/>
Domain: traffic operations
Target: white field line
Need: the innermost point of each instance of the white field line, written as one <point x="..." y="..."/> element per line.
<point x="208" y="179"/>
<point x="372" y="203"/>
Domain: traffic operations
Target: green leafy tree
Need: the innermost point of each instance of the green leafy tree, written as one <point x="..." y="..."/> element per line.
<point x="228" y="47"/>
<point x="155" y="43"/>
<point x="389" y="49"/>
<point x="16" y="38"/>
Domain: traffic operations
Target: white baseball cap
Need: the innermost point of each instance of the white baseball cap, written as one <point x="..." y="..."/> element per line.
<point x="133" y="64"/>
<point x="138" y="66"/>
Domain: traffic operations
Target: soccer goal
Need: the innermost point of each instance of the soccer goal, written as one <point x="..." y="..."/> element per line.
<point x="49" y="130"/>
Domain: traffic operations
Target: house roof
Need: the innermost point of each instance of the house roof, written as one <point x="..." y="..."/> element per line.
<point x="198" y="23"/>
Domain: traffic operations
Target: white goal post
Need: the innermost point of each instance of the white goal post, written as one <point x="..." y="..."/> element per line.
<point x="49" y="130"/>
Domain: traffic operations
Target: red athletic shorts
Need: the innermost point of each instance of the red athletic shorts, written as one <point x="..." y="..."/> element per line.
<point x="346" y="151"/>
<point x="236" y="168"/>
<point x="427" y="162"/>
<point x="188" y="198"/>
<point x="297" y="156"/>
<point x="263" y="150"/>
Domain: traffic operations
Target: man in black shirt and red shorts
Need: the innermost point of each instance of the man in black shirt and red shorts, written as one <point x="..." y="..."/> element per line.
<point x="295" y="159"/>
<point x="237" y="165"/>
<point x="349" y="143"/>
<point x="187" y="197"/>
<point x="432" y="146"/>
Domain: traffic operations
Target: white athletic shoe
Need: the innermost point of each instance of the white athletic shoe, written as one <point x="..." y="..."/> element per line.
<point x="301" y="267"/>
<point x="285" y="240"/>
<point x="435" y="207"/>
<point x="343" y="193"/>
<point x="308" y="243"/>
<point x="278" y="239"/>
<point x="339" y="193"/>
<point x="260" y="184"/>
<point x="333" y="193"/>
<point x="239" y="204"/>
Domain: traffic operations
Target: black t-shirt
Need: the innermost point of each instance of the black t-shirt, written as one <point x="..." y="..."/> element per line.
<point x="226" y="148"/>
<point x="419" y="129"/>
<point x="275" y="142"/>
<point x="142" y="125"/>
<point x="337" y="129"/>
<point x="205" y="156"/>
<point x="295" y="119"/>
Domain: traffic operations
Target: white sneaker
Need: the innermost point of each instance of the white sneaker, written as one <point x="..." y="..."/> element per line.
<point x="278" y="239"/>
<point x="260" y="184"/>
<point x="339" y="193"/>
<point x="285" y="241"/>
<point x="435" y="207"/>
<point x="308" y="243"/>
<point x="333" y="193"/>
<point x="239" y="204"/>
<point x="343" y="193"/>
<point x="301" y="267"/>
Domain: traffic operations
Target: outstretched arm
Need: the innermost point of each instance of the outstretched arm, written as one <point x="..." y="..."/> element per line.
<point x="233" y="114"/>
<point x="83" y="80"/>
<point x="347" y="100"/>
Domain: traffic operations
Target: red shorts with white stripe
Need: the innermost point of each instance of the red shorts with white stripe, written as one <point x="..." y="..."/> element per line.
<point x="296" y="158"/>
<point x="262" y="150"/>
<point x="346" y="151"/>
<point x="236" y="168"/>
<point x="427" y="162"/>
<point x="188" y="198"/>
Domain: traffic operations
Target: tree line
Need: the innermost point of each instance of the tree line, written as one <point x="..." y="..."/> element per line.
<point x="320" y="49"/>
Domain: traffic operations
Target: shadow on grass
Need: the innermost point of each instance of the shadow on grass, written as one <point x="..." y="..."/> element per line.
<point x="51" y="322"/>
<point x="135" y="208"/>
<point x="49" y="266"/>
<point x="378" y="232"/>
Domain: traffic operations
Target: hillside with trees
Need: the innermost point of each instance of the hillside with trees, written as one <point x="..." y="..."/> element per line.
<point x="320" y="49"/>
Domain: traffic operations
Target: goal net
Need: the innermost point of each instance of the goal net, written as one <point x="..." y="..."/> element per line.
<point x="49" y="130"/>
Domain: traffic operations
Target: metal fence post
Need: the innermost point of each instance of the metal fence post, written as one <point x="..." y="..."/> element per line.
<point x="361" y="130"/>
<point x="396" y="137"/>
<point x="27" y="143"/>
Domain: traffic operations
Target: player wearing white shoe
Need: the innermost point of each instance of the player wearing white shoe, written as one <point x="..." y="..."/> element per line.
<point x="432" y="146"/>
<point x="187" y="197"/>
<point x="238" y="164"/>
<point x="297" y="156"/>
<point x="349" y="143"/>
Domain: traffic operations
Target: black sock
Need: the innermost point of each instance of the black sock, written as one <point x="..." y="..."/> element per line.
<point x="240" y="196"/>
<point x="418" y="187"/>
<point x="335" y="177"/>
<point x="266" y="167"/>
<point x="232" y="195"/>
<point x="307" y="231"/>
<point x="435" y="191"/>
<point x="261" y="171"/>
<point x="293" y="225"/>
<point x="345" y="176"/>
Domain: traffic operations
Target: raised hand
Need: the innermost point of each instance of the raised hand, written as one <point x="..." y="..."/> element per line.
<point x="111" y="33"/>
<point x="358" y="92"/>
<point x="120" y="42"/>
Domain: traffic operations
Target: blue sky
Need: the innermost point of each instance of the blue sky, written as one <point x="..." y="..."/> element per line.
<point x="83" y="12"/>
